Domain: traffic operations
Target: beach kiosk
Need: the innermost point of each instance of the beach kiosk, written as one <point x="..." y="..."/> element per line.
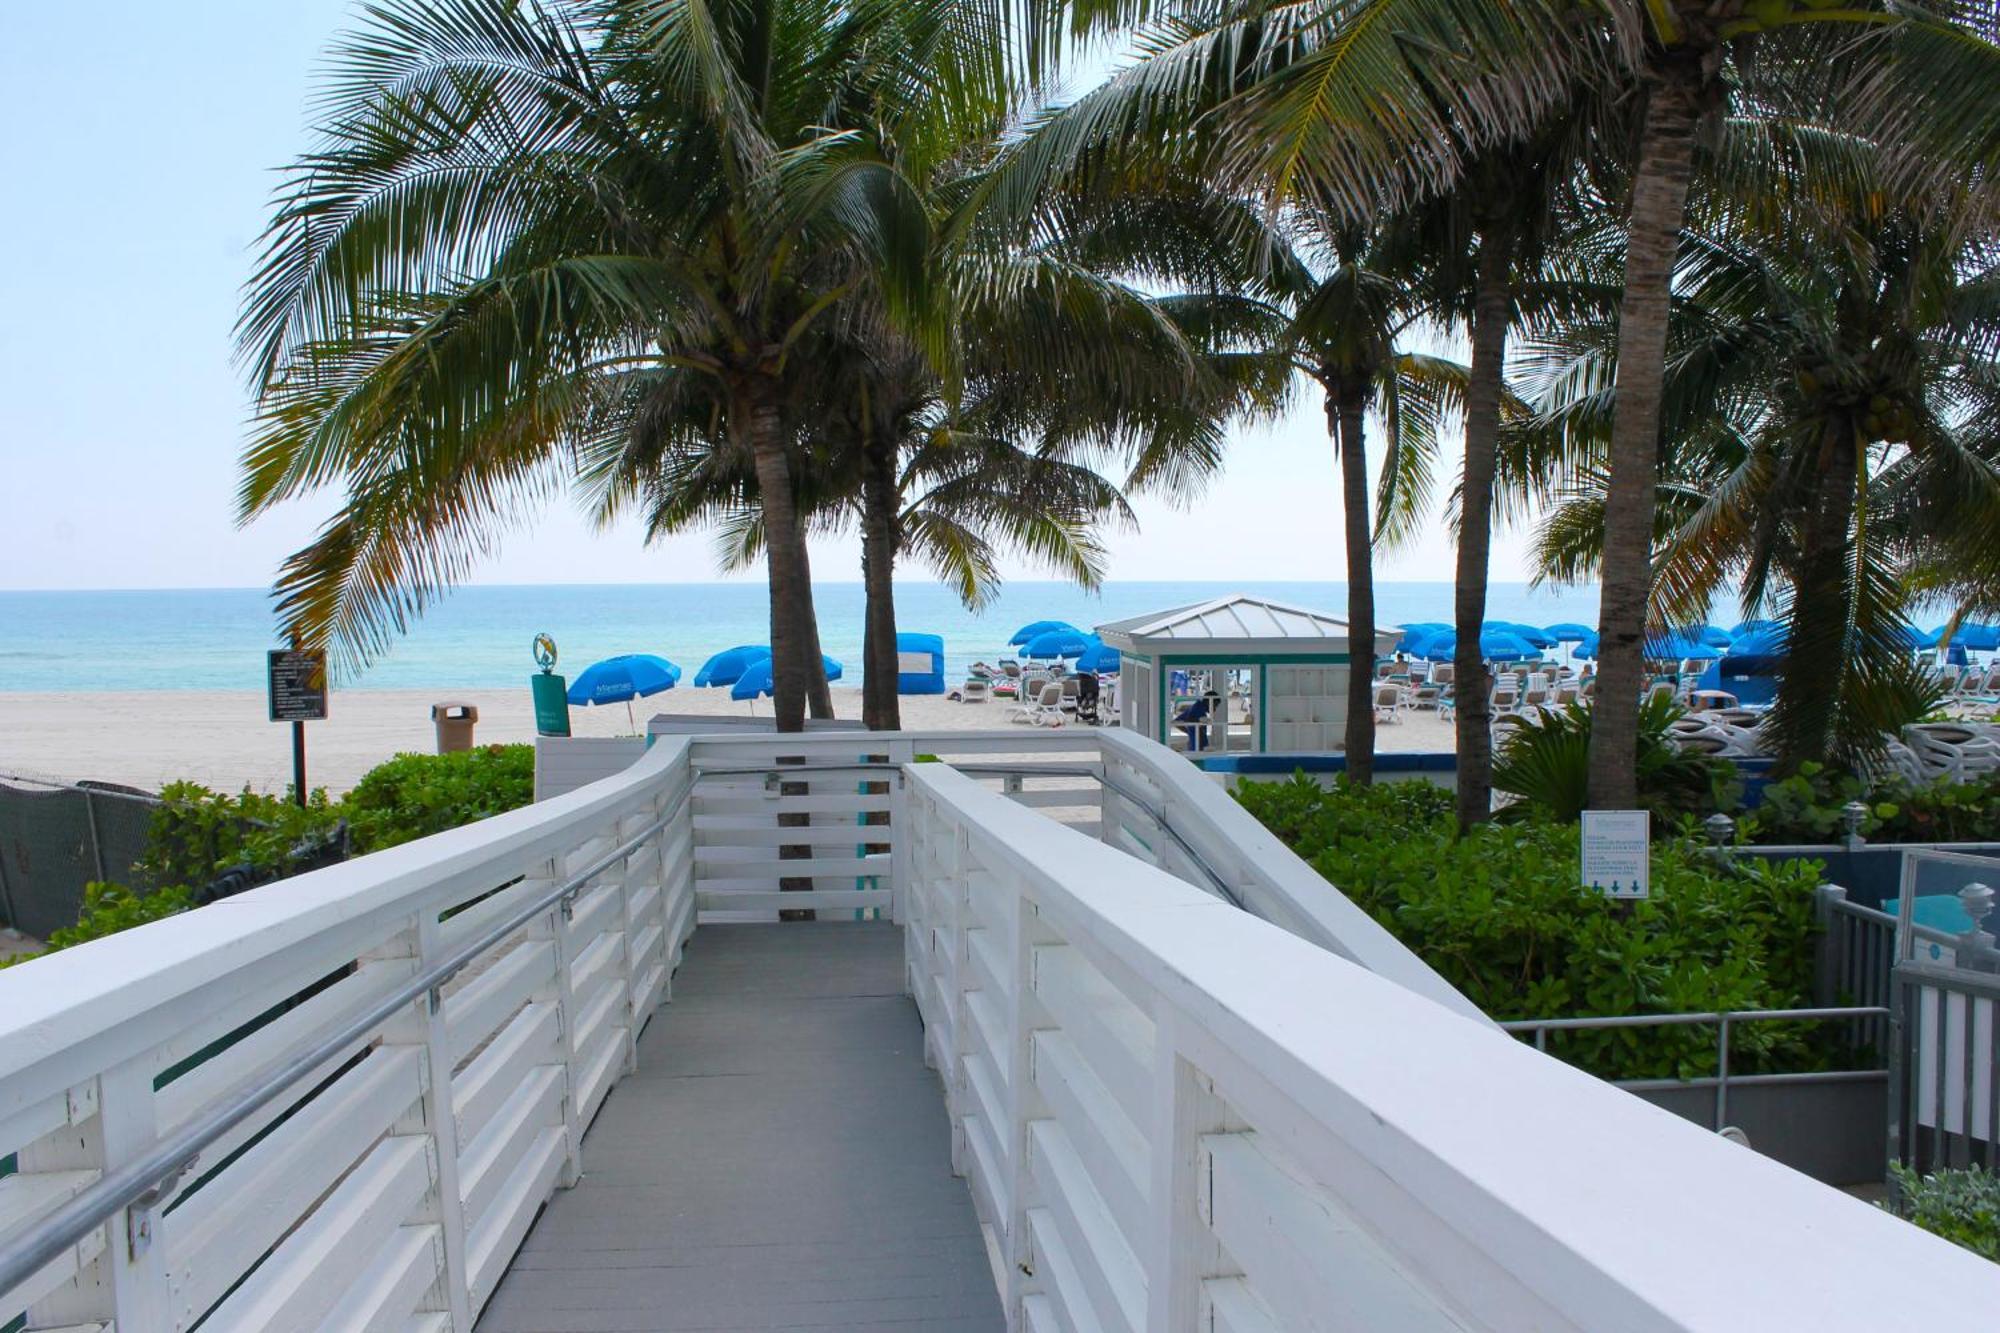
<point x="1271" y="676"/>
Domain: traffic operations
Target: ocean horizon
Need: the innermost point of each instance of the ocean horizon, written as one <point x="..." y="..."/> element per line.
<point x="480" y="635"/>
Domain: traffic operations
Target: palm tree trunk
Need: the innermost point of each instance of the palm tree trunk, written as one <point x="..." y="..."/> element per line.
<point x="754" y="412"/>
<point x="812" y="658"/>
<point x="1808" y="701"/>
<point x="880" y="708"/>
<point x="1347" y="412"/>
<point x="1491" y="312"/>
<point x="1659" y="201"/>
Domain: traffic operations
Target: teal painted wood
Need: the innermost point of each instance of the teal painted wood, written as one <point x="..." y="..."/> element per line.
<point x="780" y="1159"/>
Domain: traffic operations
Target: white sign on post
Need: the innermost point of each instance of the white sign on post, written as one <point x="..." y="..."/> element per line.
<point x="1616" y="852"/>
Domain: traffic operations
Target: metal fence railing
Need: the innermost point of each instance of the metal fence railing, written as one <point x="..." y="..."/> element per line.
<point x="1944" y="1067"/>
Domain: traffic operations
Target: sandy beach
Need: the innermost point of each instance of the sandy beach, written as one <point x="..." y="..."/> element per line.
<point x="221" y="738"/>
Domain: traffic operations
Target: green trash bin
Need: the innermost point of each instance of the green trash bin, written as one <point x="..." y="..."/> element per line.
<point x="551" y="704"/>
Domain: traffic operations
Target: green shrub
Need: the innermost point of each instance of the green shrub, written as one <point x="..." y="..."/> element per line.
<point x="1810" y="806"/>
<point x="1546" y="764"/>
<point x="1963" y="1206"/>
<point x="415" y="795"/>
<point x="1502" y="914"/>
<point x="197" y="834"/>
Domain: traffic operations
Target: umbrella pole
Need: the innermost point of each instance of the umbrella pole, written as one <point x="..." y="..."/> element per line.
<point x="630" y="721"/>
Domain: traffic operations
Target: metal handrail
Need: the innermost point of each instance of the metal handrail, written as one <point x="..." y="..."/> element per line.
<point x="1721" y="1079"/>
<point x="145" y="1180"/>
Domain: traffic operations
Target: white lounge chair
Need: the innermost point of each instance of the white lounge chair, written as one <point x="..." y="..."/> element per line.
<point x="977" y="690"/>
<point x="1389" y="703"/>
<point x="1044" y="710"/>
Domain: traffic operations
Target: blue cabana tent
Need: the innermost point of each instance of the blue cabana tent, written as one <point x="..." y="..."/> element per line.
<point x="919" y="664"/>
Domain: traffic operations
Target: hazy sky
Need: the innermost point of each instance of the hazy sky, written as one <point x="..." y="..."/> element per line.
<point x="137" y="142"/>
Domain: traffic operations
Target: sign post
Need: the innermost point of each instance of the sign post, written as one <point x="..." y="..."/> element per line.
<point x="1617" y="852"/>
<point x="549" y="691"/>
<point x="297" y="684"/>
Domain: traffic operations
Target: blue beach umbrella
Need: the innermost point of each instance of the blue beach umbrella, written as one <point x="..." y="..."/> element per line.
<point x="623" y="679"/>
<point x="1586" y="649"/>
<point x="756" y="678"/>
<point x="1713" y="635"/>
<point x="1495" y="645"/>
<point x="618" y="680"/>
<point x="1528" y="634"/>
<point x="1978" y="638"/>
<point x="1416" y="632"/>
<point x="1100" y="657"/>
<point x="728" y="665"/>
<point x="1037" y="628"/>
<point x="1759" y="643"/>
<point x="1569" y="632"/>
<point x="1912" y="637"/>
<point x="1057" y="643"/>
<point x="1755" y="627"/>
<point x="1674" y="645"/>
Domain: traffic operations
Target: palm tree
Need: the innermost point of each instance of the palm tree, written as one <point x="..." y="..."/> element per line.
<point x="1833" y="383"/>
<point x="1362" y="105"/>
<point x="513" y="205"/>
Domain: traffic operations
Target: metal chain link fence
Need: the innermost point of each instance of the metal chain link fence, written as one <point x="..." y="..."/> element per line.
<point x="57" y="837"/>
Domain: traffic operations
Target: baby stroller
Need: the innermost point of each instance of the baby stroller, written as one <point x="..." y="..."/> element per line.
<point x="1088" y="696"/>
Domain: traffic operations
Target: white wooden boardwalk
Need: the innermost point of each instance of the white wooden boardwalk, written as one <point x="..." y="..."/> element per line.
<point x="780" y="1159"/>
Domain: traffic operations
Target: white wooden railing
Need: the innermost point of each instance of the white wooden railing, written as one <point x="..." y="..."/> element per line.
<point x="337" y="1101"/>
<point x="1174" y="1115"/>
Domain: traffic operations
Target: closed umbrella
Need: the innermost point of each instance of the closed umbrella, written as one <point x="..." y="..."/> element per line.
<point x="1034" y="628"/>
<point x="1057" y="643"/>
<point x="623" y="679"/>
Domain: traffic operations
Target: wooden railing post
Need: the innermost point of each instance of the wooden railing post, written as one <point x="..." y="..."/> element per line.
<point x="447" y="1201"/>
<point x="629" y="870"/>
<point x="553" y="926"/>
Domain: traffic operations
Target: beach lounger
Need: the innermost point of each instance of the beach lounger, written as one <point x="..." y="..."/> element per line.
<point x="976" y="691"/>
<point x="1388" y="703"/>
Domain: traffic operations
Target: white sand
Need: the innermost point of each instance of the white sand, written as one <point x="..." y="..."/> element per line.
<point x="221" y="738"/>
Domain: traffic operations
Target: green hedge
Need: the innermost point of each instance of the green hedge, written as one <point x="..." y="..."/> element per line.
<point x="1810" y="807"/>
<point x="196" y="834"/>
<point x="1962" y="1205"/>
<point x="1502" y="914"/>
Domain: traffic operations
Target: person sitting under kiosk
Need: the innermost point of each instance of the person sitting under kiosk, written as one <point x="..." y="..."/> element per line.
<point x="1194" y="719"/>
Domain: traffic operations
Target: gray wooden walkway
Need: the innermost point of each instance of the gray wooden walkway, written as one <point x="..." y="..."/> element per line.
<point x="781" y="1159"/>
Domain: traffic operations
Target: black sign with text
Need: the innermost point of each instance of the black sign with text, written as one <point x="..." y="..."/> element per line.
<point x="298" y="685"/>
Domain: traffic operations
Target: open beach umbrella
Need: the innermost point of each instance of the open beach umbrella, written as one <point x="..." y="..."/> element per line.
<point x="1674" y="645"/>
<point x="1978" y="638"/>
<point x="1528" y="634"/>
<point x="1057" y="643"/>
<point x="1569" y="632"/>
<point x="728" y="665"/>
<point x="623" y="679"/>
<point x="1759" y="643"/>
<point x="1496" y="645"/>
<point x="1100" y="657"/>
<point x="1586" y="648"/>
<point x="756" y="678"/>
<point x="1754" y="627"/>
<point x="1037" y="628"/>
<point x="1713" y="635"/>
<point x="1912" y="637"/>
<point x="1416" y="632"/>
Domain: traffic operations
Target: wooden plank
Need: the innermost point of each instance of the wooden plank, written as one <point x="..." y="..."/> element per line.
<point x="492" y="1242"/>
<point x="319" y="1263"/>
<point x="223" y="1228"/>
<point x="767" y="868"/>
<point x="528" y="1040"/>
<point x="1103" y="1253"/>
<point x="477" y="1011"/>
<point x="1309" y="1261"/>
<point x="825" y="900"/>
<point x="386" y="1293"/>
<point x="532" y="1106"/>
<point x="789" y="805"/>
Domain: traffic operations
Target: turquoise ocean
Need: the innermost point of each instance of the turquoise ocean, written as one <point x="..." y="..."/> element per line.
<point x="479" y="637"/>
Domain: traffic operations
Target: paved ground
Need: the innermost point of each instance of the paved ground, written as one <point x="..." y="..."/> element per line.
<point x="781" y="1159"/>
